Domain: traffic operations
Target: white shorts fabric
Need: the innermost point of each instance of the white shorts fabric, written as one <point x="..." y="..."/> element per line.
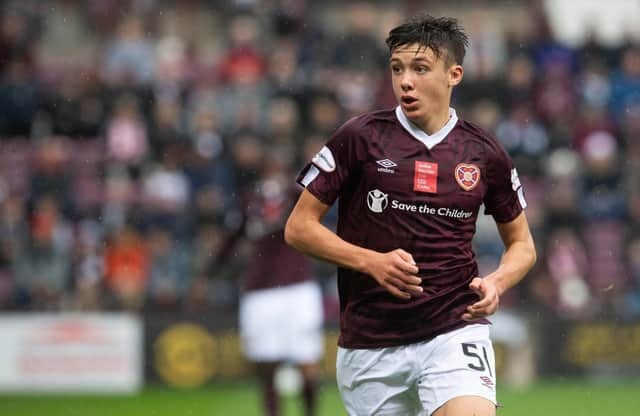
<point x="283" y="324"/>
<point x="419" y="378"/>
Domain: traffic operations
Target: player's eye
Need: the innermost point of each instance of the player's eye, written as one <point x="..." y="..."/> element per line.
<point x="396" y="69"/>
<point x="420" y="69"/>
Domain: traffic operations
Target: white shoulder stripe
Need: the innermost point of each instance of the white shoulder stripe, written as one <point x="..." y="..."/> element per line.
<point x="324" y="160"/>
<point x="523" y="202"/>
<point x="311" y="174"/>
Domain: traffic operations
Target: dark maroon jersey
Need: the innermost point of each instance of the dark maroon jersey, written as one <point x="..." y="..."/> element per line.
<point x="273" y="262"/>
<point x="401" y="188"/>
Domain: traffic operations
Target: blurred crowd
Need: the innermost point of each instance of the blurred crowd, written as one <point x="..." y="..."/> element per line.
<point x="130" y="130"/>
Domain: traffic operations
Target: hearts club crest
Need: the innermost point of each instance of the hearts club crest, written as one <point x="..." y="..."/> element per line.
<point x="467" y="176"/>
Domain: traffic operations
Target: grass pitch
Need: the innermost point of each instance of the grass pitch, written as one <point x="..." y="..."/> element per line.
<point x="550" y="398"/>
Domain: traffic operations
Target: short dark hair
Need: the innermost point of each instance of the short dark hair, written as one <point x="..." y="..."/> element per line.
<point x="440" y="34"/>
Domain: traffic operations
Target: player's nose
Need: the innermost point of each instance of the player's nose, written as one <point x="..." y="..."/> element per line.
<point x="406" y="84"/>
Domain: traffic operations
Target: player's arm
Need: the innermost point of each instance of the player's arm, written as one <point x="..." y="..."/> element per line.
<point x="517" y="260"/>
<point x="395" y="270"/>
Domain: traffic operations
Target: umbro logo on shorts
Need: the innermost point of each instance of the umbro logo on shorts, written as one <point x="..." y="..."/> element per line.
<point x="487" y="382"/>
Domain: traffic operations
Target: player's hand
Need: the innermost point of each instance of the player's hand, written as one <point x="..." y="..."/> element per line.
<point x="489" y="300"/>
<point x="396" y="272"/>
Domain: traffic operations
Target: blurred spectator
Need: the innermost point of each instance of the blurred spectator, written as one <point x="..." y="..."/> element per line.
<point x="359" y="49"/>
<point x="487" y="54"/>
<point x="210" y="286"/>
<point x="625" y="83"/>
<point x="486" y="113"/>
<point x="359" y="59"/>
<point x="283" y="124"/>
<point x="18" y="31"/>
<point x="16" y="160"/>
<point x="204" y="132"/>
<point x="121" y="194"/>
<point x="88" y="163"/>
<point x="126" y="266"/>
<point x="166" y="192"/>
<point x="524" y="139"/>
<point x="67" y="42"/>
<point x="632" y="297"/>
<point x="244" y="65"/>
<point x="630" y="133"/>
<point x="285" y="74"/>
<point x="129" y="58"/>
<point x="166" y="127"/>
<point x="591" y="120"/>
<point x="169" y="271"/>
<point x="43" y="264"/>
<point x="50" y="177"/>
<point x="76" y="109"/>
<point x="555" y="92"/>
<point x="520" y="81"/>
<point x="14" y="231"/>
<point x="243" y="69"/>
<point x="126" y="134"/>
<point x="88" y="267"/>
<point x="247" y="153"/>
<point x="208" y="168"/>
<point x="594" y="87"/>
<point x="18" y="99"/>
<point x="563" y="188"/>
<point x="324" y="113"/>
<point x="173" y="69"/>
<point x="568" y="266"/>
<point x="607" y="276"/>
<point x="603" y="196"/>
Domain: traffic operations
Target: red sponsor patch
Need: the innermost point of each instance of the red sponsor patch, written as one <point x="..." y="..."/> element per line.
<point x="425" y="177"/>
<point x="467" y="176"/>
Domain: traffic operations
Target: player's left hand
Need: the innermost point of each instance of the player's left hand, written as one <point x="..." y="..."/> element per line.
<point x="489" y="299"/>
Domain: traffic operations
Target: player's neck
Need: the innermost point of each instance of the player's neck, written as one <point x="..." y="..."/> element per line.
<point x="435" y="122"/>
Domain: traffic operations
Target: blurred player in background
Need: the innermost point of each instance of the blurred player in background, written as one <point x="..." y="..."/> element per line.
<point x="411" y="181"/>
<point x="281" y="313"/>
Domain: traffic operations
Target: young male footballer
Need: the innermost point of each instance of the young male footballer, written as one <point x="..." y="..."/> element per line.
<point x="410" y="181"/>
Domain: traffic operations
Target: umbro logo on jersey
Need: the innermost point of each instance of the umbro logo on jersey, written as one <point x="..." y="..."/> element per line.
<point x="386" y="164"/>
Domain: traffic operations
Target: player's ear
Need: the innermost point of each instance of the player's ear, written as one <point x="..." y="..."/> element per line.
<point x="455" y="74"/>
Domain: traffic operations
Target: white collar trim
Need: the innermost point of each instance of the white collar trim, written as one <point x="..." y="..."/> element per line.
<point x="417" y="133"/>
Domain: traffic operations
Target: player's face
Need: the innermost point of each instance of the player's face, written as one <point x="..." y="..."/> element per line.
<point x="422" y="82"/>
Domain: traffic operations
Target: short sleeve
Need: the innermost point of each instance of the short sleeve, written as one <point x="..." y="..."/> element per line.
<point x="335" y="165"/>
<point x="505" y="196"/>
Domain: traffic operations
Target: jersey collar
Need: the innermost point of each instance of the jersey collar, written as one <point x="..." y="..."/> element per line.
<point x="426" y="139"/>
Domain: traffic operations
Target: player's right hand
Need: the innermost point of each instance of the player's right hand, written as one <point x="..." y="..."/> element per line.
<point x="396" y="272"/>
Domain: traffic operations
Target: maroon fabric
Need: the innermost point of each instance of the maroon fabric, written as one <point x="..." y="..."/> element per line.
<point x="273" y="262"/>
<point x="436" y="228"/>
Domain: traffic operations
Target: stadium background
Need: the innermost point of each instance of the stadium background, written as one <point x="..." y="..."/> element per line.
<point x="130" y="128"/>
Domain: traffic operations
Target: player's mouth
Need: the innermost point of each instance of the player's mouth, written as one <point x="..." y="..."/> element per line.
<point x="408" y="101"/>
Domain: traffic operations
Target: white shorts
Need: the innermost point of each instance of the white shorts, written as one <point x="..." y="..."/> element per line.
<point x="283" y="324"/>
<point x="417" y="379"/>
